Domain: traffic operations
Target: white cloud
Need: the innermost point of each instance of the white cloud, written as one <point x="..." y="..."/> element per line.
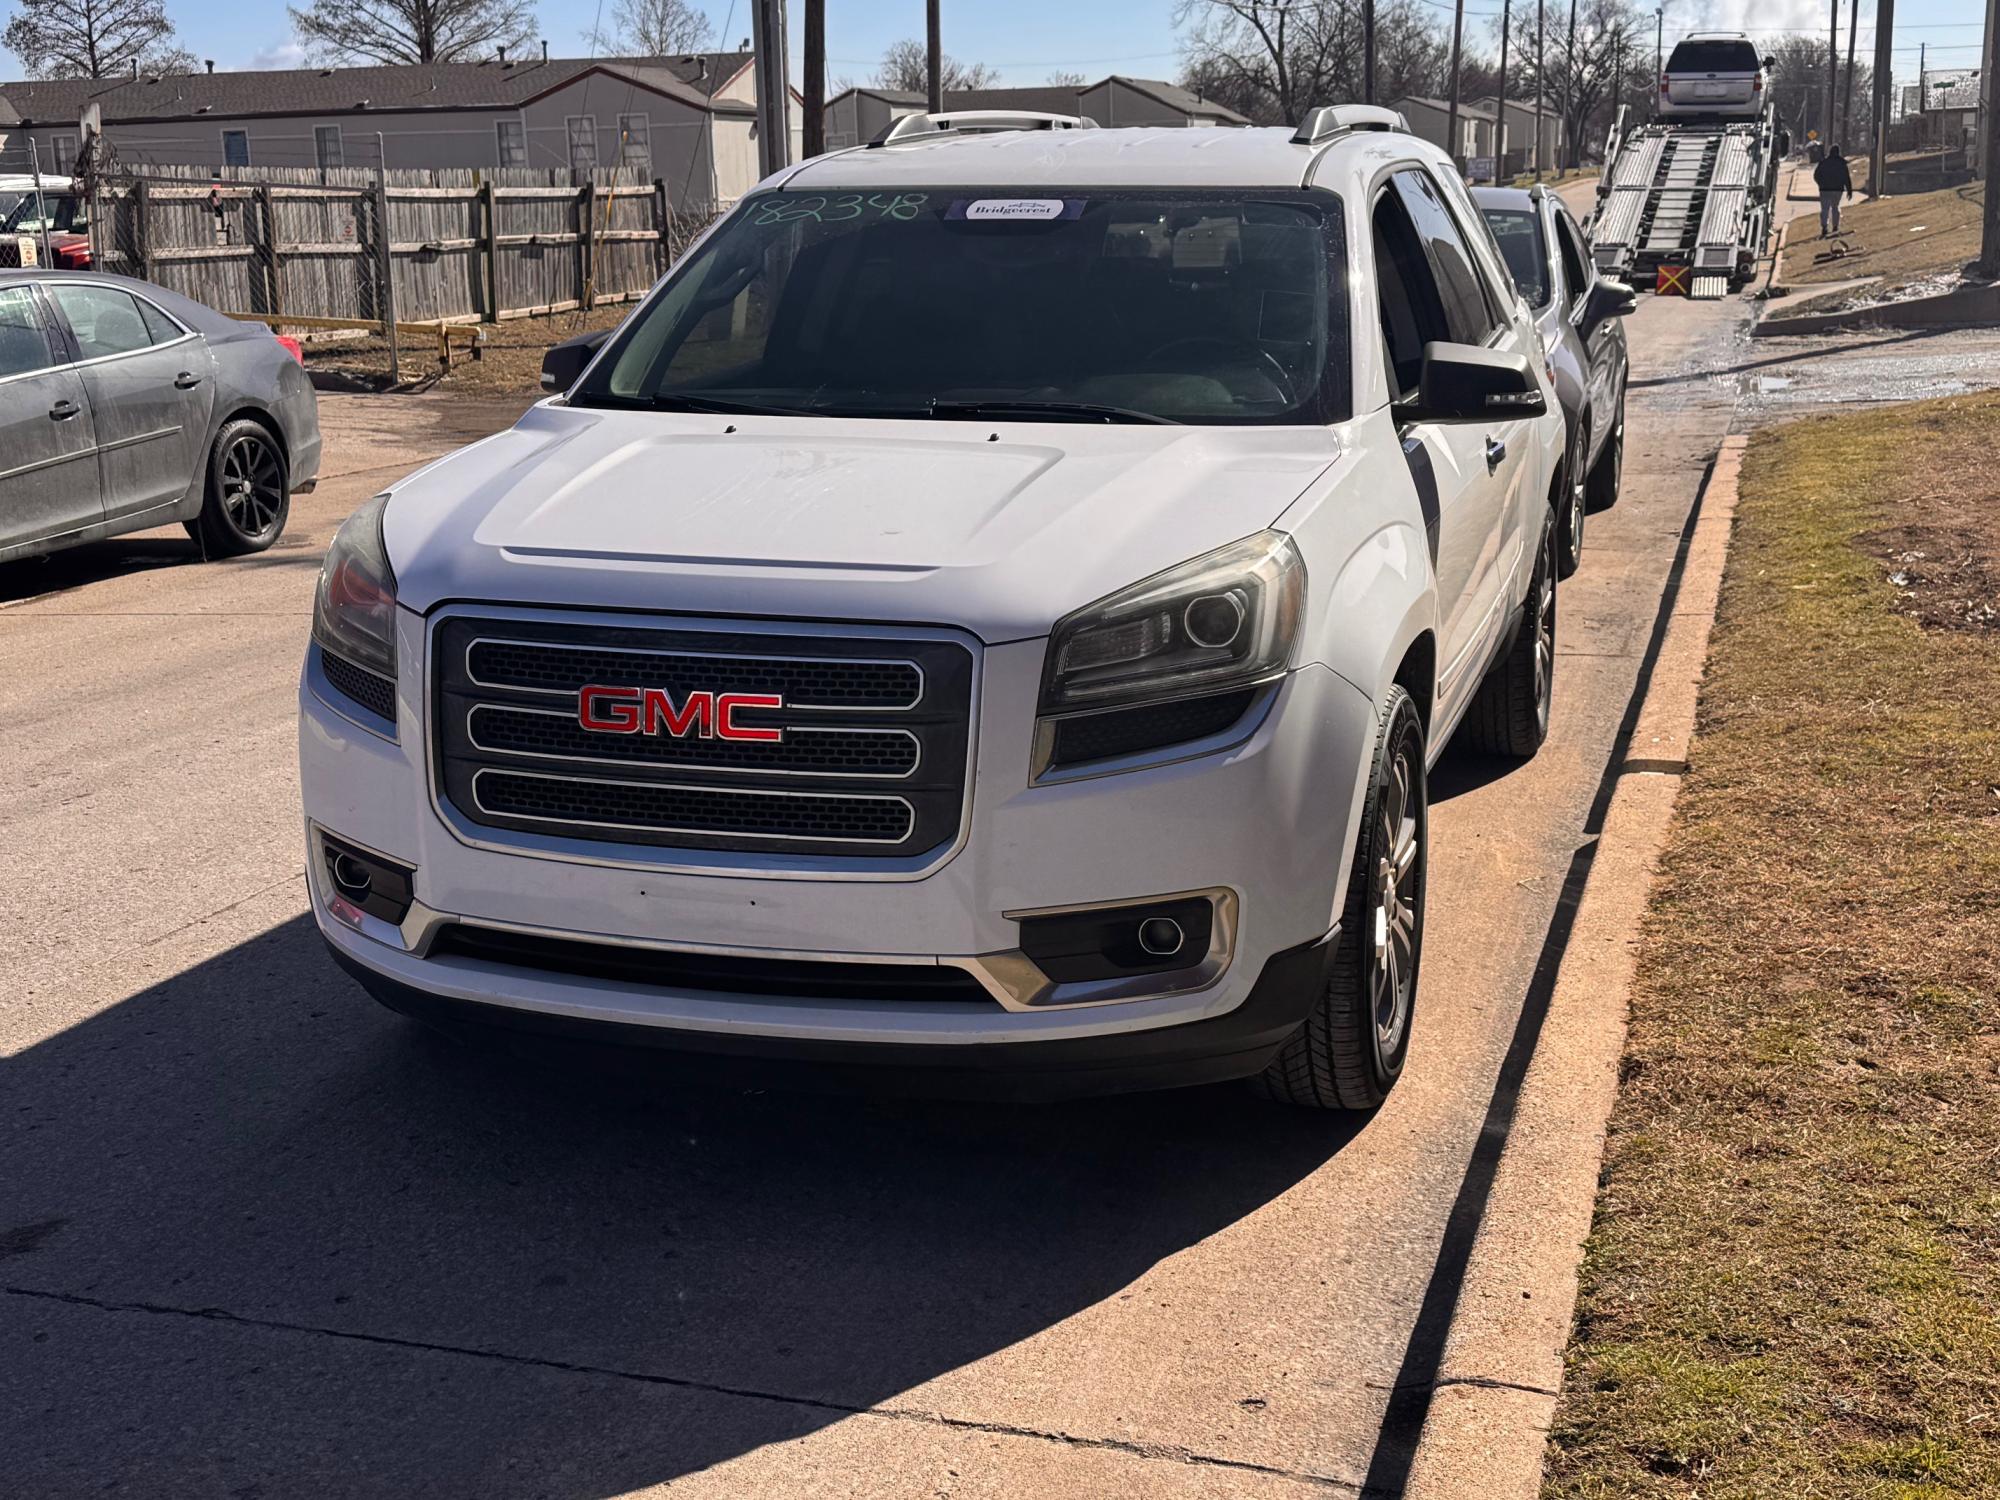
<point x="286" y="54"/>
<point x="1758" y="17"/>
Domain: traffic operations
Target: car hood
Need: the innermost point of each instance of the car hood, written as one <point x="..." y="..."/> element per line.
<point x="998" y="529"/>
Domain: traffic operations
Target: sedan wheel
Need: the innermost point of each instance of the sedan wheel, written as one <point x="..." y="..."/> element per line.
<point x="248" y="496"/>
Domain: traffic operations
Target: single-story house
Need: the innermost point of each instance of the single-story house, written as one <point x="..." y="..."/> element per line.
<point x="857" y="115"/>
<point x="1431" y="119"/>
<point x="1521" y="133"/>
<point x="690" y="121"/>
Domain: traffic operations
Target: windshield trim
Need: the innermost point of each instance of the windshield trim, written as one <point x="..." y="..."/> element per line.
<point x="1332" y="401"/>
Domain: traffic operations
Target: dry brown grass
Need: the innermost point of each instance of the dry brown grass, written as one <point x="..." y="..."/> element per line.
<point x="1790" y="1288"/>
<point x="510" y="360"/>
<point x="1900" y="238"/>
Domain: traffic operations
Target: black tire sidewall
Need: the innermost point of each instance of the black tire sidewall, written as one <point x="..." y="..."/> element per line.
<point x="1403" y="726"/>
<point x="219" y="529"/>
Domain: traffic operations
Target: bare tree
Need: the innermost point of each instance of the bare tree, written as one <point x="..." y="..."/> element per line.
<point x="654" y="28"/>
<point x="1274" y="59"/>
<point x="1798" y="82"/>
<point x="94" y="38"/>
<point x="906" y="65"/>
<point x="413" y="31"/>
<point x="1582" y="83"/>
<point x="1064" y="78"/>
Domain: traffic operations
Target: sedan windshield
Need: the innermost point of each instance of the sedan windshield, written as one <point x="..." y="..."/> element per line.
<point x="1519" y="236"/>
<point x="1108" y="307"/>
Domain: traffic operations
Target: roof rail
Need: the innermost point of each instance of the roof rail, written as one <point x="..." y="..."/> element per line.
<point x="1329" y="120"/>
<point x="977" y="122"/>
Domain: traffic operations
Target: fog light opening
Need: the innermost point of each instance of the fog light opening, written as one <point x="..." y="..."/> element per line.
<point x="351" y="877"/>
<point x="1161" y="936"/>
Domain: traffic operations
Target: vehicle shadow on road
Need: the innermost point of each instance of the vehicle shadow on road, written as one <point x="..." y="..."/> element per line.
<point x="97" y="562"/>
<point x="258" y="1236"/>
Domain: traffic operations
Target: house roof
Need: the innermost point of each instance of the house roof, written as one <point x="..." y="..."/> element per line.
<point x="1185" y="100"/>
<point x="7" y="115"/>
<point x="316" y="91"/>
<point x="1466" y="107"/>
<point x="1057" y="99"/>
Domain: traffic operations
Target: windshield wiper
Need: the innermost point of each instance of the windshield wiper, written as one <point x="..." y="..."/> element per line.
<point x="721" y="406"/>
<point x="1059" y="411"/>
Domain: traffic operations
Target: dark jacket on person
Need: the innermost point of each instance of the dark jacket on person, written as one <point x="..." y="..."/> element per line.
<point x="1832" y="176"/>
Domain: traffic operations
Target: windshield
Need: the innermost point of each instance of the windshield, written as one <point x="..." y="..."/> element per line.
<point x="1713" y="57"/>
<point x="962" y="303"/>
<point x="58" y="213"/>
<point x="1519" y="236"/>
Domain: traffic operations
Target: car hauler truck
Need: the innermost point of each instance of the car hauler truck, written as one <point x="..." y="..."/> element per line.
<point x="1686" y="205"/>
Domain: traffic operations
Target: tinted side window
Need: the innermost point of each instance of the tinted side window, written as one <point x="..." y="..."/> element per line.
<point x="159" y="327"/>
<point x="104" y="319"/>
<point x="1412" y="308"/>
<point x="1575" y="259"/>
<point x="1465" y="307"/>
<point x="1519" y="235"/>
<point x="24" y="343"/>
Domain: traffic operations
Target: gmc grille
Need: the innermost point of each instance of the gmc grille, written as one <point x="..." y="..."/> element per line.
<point x="872" y="759"/>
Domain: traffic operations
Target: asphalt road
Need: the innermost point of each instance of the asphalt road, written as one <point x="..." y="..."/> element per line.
<point x="259" y="1238"/>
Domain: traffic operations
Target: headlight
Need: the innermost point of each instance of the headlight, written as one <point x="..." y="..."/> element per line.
<point x="1216" y="626"/>
<point x="354" y="611"/>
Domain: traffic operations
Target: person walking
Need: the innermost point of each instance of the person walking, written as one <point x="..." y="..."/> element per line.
<point x="1833" y="179"/>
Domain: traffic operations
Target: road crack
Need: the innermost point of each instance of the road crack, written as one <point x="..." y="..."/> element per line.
<point x="1157" y="1452"/>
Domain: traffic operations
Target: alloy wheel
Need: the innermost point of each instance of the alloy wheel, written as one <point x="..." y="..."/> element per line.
<point x="1398" y="889"/>
<point x="1545" y="632"/>
<point x="253" y="486"/>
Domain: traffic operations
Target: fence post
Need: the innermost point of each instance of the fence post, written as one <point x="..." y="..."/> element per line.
<point x="274" y="264"/>
<point x="664" y="255"/>
<point x="385" y="262"/>
<point x="490" y="232"/>
<point x="142" y="226"/>
<point x="586" y="219"/>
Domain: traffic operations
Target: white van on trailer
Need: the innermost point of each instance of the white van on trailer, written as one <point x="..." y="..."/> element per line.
<point x="988" y="614"/>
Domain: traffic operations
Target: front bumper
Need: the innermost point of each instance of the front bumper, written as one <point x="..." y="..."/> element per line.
<point x="1267" y="825"/>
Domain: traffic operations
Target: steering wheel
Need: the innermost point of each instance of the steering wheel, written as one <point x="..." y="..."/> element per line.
<point x="1279" y="376"/>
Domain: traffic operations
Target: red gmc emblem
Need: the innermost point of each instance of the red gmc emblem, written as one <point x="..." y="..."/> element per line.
<point x="634" y="710"/>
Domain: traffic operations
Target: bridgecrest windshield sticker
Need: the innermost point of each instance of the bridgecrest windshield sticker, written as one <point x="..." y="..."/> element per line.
<point x="1015" y="210"/>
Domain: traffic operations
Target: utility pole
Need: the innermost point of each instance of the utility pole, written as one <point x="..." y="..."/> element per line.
<point x="1847" y="90"/>
<point x="1832" y="72"/>
<point x="1500" y="142"/>
<point x="774" y="88"/>
<point x="934" y="35"/>
<point x="1541" y="119"/>
<point x="815" y="80"/>
<point x="1573" y="129"/>
<point x="1451" y="117"/>
<point x="1878" y="158"/>
<point x="1367" y="51"/>
<point x="1989" y="145"/>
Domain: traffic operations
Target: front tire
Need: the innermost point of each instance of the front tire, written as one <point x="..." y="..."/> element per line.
<point x="1511" y="714"/>
<point x="1350" y="1051"/>
<point x="248" y="495"/>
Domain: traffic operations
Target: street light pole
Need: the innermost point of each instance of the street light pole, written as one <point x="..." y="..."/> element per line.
<point x="1367" y="51"/>
<point x="1878" y="158"/>
<point x="1500" y="140"/>
<point x="1832" y="71"/>
<point x="1541" y="117"/>
<point x="1575" y="153"/>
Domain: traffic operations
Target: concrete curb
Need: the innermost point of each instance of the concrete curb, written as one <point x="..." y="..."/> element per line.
<point x="1502" y="1370"/>
<point x="1966" y="306"/>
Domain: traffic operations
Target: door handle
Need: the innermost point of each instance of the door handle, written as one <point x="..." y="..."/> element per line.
<point x="187" y="380"/>
<point x="62" y="411"/>
<point x="1496" y="454"/>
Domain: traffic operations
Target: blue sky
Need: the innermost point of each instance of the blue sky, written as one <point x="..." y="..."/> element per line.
<point x="1028" y="39"/>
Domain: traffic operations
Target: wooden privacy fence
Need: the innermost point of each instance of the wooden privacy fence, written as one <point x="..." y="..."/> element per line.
<point x="450" y="246"/>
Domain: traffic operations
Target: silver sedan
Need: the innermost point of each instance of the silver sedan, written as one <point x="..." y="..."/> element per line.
<point x="124" y="406"/>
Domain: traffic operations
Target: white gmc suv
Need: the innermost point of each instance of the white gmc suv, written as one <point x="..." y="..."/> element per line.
<point x="985" y="617"/>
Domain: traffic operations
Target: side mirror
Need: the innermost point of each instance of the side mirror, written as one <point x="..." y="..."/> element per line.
<point x="1608" y="299"/>
<point x="1461" y="383"/>
<point x="562" y="363"/>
